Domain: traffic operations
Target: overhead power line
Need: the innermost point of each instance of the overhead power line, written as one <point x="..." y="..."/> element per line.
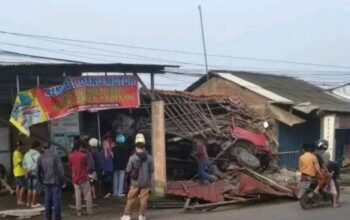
<point x="173" y="51"/>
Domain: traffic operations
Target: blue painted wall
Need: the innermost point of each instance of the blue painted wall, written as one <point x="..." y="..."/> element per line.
<point x="292" y="139"/>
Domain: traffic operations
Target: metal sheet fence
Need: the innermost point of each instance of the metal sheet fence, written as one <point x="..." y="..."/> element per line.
<point x="292" y="138"/>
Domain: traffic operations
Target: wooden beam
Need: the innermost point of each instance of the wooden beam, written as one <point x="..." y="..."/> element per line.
<point x="158" y="148"/>
<point x="152" y="82"/>
<point x="144" y="86"/>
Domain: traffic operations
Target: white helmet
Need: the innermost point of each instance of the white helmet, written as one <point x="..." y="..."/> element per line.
<point x="322" y="144"/>
<point x="140" y="138"/>
<point x="93" y="142"/>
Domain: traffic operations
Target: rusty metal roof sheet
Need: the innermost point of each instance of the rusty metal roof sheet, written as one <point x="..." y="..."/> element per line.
<point x="209" y="193"/>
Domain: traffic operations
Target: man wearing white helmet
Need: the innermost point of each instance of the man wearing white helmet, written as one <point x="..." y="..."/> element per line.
<point x="321" y="149"/>
<point x="332" y="166"/>
<point x="95" y="152"/>
<point x="324" y="160"/>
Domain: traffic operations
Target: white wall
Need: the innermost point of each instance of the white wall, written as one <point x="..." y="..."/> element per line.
<point x="328" y="123"/>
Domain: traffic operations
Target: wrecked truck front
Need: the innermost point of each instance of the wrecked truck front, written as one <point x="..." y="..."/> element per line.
<point x="258" y="139"/>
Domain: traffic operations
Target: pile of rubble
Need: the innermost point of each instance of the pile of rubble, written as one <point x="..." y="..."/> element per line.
<point x="236" y="185"/>
<point x="210" y="116"/>
<point x="237" y="143"/>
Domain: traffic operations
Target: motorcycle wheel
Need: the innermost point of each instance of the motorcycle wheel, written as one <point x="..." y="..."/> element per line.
<point x="305" y="202"/>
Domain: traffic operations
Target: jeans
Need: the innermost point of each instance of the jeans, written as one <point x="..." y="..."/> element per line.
<point x="53" y="202"/>
<point x="118" y="182"/>
<point x="108" y="182"/>
<point x="204" y="174"/>
<point x="84" y="189"/>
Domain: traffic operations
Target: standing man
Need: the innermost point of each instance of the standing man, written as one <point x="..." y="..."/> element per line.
<point x="19" y="172"/>
<point x="51" y="175"/>
<point x="30" y="162"/>
<point x="140" y="168"/>
<point x="78" y="161"/>
<point x="95" y="152"/>
<point x="107" y="164"/>
<point x="202" y="159"/>
<point x="121" y="156"/>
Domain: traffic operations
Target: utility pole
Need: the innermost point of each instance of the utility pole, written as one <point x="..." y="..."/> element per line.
<point x="203" y="39"/>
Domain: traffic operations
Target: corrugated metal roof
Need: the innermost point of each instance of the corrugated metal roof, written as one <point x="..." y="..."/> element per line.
<point x="59" y="68"/>
<point x="281" y="89"/>
<point x="343" y="91"/>
<point x="254" y="87"/>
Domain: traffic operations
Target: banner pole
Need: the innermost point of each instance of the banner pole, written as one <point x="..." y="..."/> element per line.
<point x="37" y="81"/>
<point x="99" y="127"/>
<point x="17" y="83"/>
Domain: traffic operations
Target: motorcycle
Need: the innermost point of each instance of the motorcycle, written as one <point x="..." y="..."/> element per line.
<point x="307" y="198"/>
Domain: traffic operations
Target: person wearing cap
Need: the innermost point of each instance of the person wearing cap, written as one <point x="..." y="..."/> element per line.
<point x="19" y="172"/>
<point x="121" y="154"/>
<point x="139" y="168"/>
<point x="30" y="164"/>
<point x="51" y="175"/>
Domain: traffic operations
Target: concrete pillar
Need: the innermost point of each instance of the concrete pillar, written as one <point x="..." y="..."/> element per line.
<point x="328" y="123"/>
<point x="158" y="148"/>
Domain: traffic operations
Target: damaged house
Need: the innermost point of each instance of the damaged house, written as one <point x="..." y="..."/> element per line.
<point x="297" y="111"/>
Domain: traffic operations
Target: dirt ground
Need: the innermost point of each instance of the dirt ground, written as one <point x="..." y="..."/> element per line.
<point x="273" y="210"/>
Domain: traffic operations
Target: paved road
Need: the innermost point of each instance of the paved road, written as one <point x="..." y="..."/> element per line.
<point x="271" y="211"/>
<point x="276" y="210"/>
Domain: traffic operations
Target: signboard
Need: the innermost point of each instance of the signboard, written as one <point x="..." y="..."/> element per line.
<point x="74" y="94"/>
<point x="62" y="132"/>
<point x="69" y="123"/>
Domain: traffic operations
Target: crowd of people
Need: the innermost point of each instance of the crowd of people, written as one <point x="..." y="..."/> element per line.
<point x="116" y="167"/>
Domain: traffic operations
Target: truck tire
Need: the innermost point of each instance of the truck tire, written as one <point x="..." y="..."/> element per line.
<point x="245" y="158"/>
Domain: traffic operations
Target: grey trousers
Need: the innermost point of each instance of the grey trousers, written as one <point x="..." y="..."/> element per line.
<point x="84" y="189"/>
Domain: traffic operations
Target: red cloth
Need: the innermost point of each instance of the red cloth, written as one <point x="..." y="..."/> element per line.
<point x="79" y="165"/>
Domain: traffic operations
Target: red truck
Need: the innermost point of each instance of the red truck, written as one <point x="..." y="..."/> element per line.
<point x="250" y="148"/>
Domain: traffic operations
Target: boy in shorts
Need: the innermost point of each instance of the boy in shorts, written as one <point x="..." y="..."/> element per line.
<point x="19" y="172"/>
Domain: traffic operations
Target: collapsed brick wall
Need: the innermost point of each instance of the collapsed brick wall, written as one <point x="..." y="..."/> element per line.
<point x="219" y="86"/>
<point x="256" y="102"/>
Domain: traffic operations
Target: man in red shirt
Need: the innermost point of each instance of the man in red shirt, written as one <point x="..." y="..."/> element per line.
<point x="78" y="162"/>
<point x="202" y="159"/>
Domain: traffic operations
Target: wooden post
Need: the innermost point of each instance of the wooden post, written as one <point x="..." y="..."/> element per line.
<point x="158" y="148"/>
<point x="152" y="82"/>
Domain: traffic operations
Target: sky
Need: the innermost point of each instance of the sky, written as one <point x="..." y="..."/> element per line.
<point x="289" y="30"/>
